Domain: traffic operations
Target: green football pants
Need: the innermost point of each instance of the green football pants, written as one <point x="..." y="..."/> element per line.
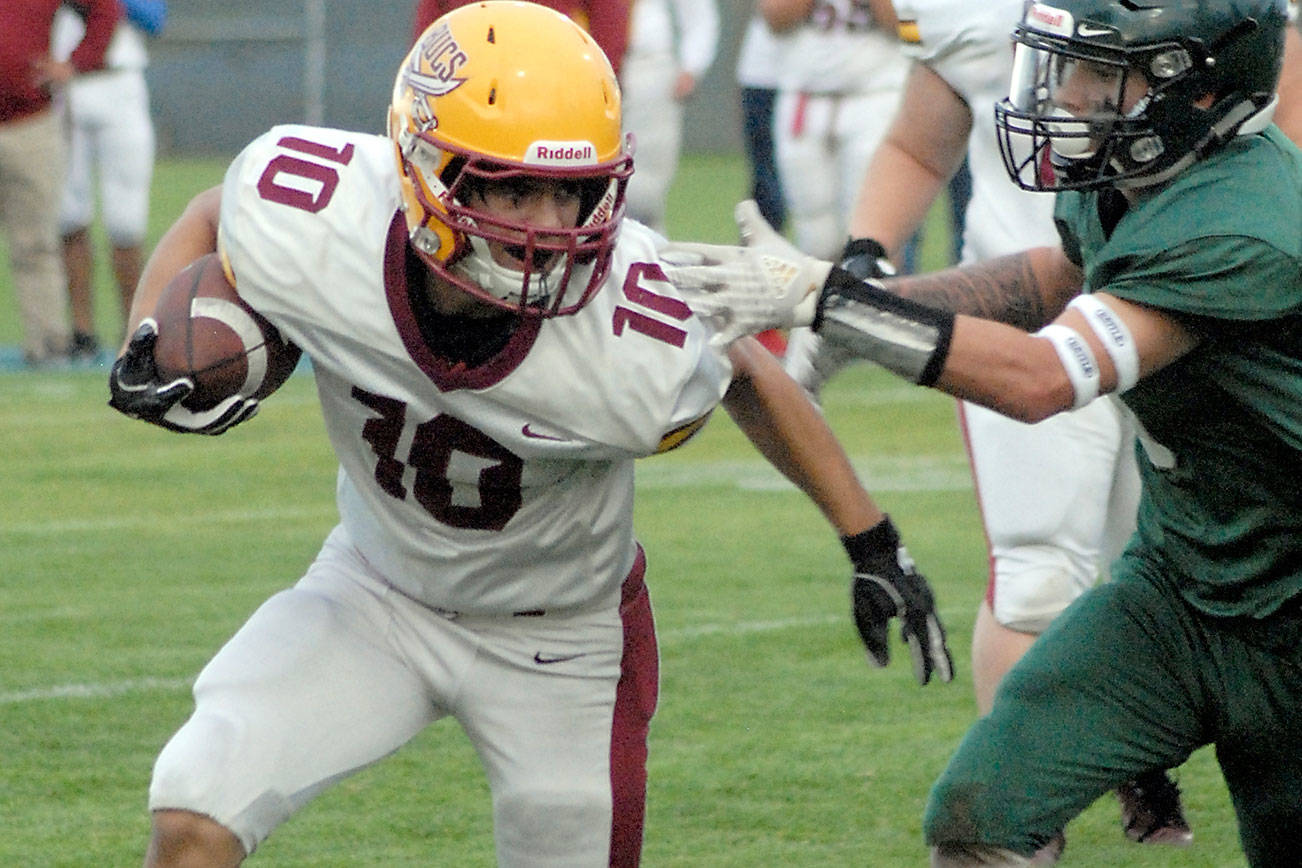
<point x="1128" y="679"/>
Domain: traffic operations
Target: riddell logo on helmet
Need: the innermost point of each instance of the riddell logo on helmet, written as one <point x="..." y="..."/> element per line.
<point x="545" y="153"/>
<point x="1047" y="19"/>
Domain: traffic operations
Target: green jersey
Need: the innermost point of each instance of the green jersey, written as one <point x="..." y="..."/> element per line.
<point x="1219" y="247"/>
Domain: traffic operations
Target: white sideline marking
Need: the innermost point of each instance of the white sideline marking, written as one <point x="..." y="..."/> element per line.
<point x="94" y="690"/>
<point x="744" y="627"/>
<point x="111" y="689"/>
<point x="921" y="473"/>
<point x="915" y="473"/>
<point x="153" y="521"/>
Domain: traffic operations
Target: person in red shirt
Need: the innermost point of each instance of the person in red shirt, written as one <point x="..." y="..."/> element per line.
<point x="32" y="160"/>
<point x="605" y="20"/>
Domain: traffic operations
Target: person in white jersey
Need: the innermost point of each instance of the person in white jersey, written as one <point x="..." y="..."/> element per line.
<point x="110" y="137"/>
<point x="671" y="44"/>
<point x="493" y="346"/>
<point x="1058" y="498"/>
<point x="840" y="76"/>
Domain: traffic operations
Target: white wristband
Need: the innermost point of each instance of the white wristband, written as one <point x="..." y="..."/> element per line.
<point x="1077" y="359"/>
<point x="1111" y="330"/>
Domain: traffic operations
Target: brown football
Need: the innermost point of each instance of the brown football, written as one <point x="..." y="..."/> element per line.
<point x="207" y="333"/>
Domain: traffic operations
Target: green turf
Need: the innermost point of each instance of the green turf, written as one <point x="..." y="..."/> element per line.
<point x="128" y="555"/>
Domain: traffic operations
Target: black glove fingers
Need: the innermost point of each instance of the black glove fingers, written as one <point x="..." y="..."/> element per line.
<point x="942" y="662"/>
<point x="886" y="584"/>
<point x="872" y="609"/>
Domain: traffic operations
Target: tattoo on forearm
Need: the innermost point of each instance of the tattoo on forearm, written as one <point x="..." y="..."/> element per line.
<point x="1004" y="289"/>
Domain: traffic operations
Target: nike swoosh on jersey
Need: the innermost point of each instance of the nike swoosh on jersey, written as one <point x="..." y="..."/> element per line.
<point x="547" y="659"/>
<point x="529" y="432"/>
<point x="1085" y="31"/>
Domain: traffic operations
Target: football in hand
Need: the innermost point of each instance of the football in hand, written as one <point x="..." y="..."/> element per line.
<point x="207" y="333"/>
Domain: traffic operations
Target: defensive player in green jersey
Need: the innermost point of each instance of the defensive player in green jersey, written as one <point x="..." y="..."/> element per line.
<point x="1178" y="286"/>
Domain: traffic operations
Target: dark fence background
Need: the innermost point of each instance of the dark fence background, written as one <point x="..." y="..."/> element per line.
<point x="221" y="73"/>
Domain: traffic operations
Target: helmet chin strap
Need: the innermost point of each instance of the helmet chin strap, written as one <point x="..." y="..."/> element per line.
<point x="479" y="267"/>
<point x="505" y="283"/>
<point x="1259" y="121"/>
<point x="1243" y="119"/>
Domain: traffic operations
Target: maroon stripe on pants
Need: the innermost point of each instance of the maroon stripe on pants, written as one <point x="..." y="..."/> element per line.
<point x="635" y="702"/>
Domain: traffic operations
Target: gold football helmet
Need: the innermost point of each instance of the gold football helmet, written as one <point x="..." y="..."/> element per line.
<point x="500" y="90"/>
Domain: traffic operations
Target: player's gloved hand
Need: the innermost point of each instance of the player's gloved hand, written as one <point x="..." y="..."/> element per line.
<point x="136" y="390"/>
<point x="886" y="584"/>
<point x="866" y="259"/>
<point x="812" y="361"/>
<point x="765" y="283"/>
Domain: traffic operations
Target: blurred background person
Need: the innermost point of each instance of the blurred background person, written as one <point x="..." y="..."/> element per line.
<point x="758" y="60"/>
<point x="841" y="75"/>
<point x="32" y="161"/>
<point x="757" y="79"/>
<point x="110" y="138"/>
<point x="671" y="44"/>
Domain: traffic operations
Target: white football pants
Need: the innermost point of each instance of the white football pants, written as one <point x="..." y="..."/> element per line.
<point x="1058" y="499"/>
<point x="342" y="670"/>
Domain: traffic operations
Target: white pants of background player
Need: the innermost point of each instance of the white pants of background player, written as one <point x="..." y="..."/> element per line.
<point x="1058" y="500"/>
<point x="823" y="143"/>
<point x="655" y="119"/>
<point x="110" y="135"/>
<point x="341" y="670"/>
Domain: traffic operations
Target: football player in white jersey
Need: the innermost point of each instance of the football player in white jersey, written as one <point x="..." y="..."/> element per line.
<point x="1057" y="498"/>
<point x="840" y="76"/>
<point x="671" y="44"/>
<point x="492" y="350"/>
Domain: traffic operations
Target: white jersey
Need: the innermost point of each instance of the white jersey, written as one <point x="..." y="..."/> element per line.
<point x="839" y="50"/>
<point x="503" y="488"/>
<point x="759" y="56"/>
<point x="686" y="30"/>
<point x="970" y="46"/>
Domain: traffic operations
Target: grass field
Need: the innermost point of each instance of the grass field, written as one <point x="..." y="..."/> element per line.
<point x="128" y="555"/>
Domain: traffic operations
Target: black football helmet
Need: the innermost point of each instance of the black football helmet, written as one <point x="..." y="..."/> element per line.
<point x="1172" y="81"/>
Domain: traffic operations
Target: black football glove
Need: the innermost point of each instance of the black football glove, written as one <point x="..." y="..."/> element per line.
<point x="885" y="585"/>
<point x="866" y="259"/>
<point x="136" y="390"/>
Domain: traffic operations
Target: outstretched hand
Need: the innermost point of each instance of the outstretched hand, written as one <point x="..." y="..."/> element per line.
<point x="765" y="283"/>
<point x="886" y="584"/>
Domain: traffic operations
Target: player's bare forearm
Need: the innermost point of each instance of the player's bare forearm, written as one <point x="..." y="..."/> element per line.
<point x="922" y="149"/>
<point x="884" y="16"/>
<point x="894" y="198"/>
<point x="1025" y="289"/>
<point x="1288" y="113"/>
<point x="192" y="235"/>
<point x="775" y="414"/>
<point x="784" y="15"/>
